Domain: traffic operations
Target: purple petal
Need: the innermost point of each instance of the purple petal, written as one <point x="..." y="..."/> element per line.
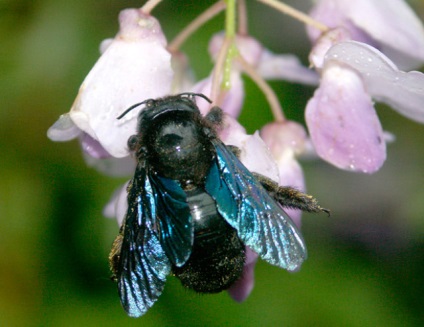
<point x="343" y="124"/>
<point x="93" y="148"/>
<point x="404" y="92"/>
<point x="389" y="25"/>
<point x="242" y="288"/>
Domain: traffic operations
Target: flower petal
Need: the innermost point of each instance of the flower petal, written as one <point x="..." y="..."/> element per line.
<point x="242" y="288"/>
<point x="118" y="204"/>
<point x="134" y="67"/>
<point x="285" y="67"/>
<point x="389" y="25"/>
<point x="404" y="92"/>
<point x="63" y="129"/>
<point x="93" y="148"/>
<point x="287" y="140"/>
<point x="343" y="124"/>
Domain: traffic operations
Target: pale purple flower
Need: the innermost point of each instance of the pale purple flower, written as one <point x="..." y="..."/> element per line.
<point x="343" y="124"/>
<point x="287" y="141"/>
<point x="134" y="66"/>
<point x="341" y="118"/>
<point x="267" y="64"/>
<point x="390" y="26"/>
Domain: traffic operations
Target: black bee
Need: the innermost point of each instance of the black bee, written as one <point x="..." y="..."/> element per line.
<point x="193" y="207"/>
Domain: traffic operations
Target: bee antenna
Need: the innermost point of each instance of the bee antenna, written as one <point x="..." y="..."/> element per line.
<point x="131" y="108"/>
<point x="192" y="95"/>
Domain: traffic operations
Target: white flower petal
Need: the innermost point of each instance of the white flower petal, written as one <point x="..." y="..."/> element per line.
<point x="134" y="67"/>
<point x="404" y="92"/>
<point x="63" y="129"/>
<point x="256" y="156"/>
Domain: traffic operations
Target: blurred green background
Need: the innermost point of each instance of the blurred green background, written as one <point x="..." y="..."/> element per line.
<point x="366" y="262"/>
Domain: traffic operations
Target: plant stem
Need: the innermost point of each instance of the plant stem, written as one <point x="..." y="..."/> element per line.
<point x="286" y="9"/>
<point x="269" y="93"/>
<point x="204" y="17"/>
<point x="149" y="6"/>
<point x="242" y="18"/>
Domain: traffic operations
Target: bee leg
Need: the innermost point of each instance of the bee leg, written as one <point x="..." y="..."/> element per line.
<point x="215" y="116"/>
<point x="290" y="197"/>
<point x="235" y="150"/>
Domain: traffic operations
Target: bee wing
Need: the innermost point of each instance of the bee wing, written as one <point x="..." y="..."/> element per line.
<point x="175" y="221"/>
<point x="260" y="222"/>
<point x="143" y="264"/>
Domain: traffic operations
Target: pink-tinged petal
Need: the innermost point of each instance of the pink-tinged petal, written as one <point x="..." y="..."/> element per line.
<point x="285" y="67"/>
<point x="242" y="288"/>
<point x="389" y="25"/>
<point x="63" y="129"/>
<point x="233" y="98"/>
<point x="284" y="139"/>
<point x="231" y="131"/>
<point x="343" y="124"/>
<point x="403" y="91"/>
<point x="134" y="67"/>
<point x="118" y="204"/>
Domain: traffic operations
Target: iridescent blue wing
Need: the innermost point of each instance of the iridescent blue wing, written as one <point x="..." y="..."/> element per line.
<point x="157" y="233"/>
<point x="175" y="222"/>
<point x="143" y="264"/>
<point x="260" y="221"/>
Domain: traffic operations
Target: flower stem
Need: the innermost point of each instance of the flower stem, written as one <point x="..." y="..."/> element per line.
<point x="204" y="17"/>
<point x="242" y="18"/>
<point x="269" y="93"/>
<point x="286" y="9"/>
<point x="149" y="6"/>
<point x="219" y="69"/>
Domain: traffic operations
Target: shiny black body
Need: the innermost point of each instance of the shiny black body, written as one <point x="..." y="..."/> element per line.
<point x="193" y="207"/>
<point x="176" y="144"/>
<point x="218" y="255"/>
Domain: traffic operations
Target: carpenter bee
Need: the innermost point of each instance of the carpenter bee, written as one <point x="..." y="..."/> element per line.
<point x="193" y="207"/>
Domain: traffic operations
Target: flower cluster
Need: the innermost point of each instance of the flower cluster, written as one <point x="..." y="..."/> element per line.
<point x="359" y="51"/>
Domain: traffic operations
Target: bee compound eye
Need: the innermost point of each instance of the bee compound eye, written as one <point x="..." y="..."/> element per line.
<point x="132" y="142"/>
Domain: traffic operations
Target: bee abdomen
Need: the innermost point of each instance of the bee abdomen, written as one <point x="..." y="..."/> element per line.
<point x="218" y="255"/>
